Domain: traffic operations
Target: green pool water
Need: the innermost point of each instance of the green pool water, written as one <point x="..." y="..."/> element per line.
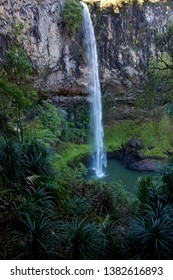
<point x="117" y="172"/>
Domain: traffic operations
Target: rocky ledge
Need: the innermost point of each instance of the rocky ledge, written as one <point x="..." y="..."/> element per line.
<point x="125" y="43"/>
<point x="132" y="156"/>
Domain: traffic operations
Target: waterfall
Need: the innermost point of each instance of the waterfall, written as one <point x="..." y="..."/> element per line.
<point x="99" y="155"/>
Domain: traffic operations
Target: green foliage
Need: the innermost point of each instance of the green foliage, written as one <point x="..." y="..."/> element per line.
<point x="76" y="127"/>
<point x="79" y="115"/>
<point x="152" y="234"/>
<point x="19" y="161"/>
<point x="84" y="241"/>
<point x="159" y="83"/>
<point x="72" y="14"/>
<point x="158" y="87"/>
<point x="71" y="153"/>
<point x="164" y="41"/>
<point x="35" y="215"/>
<point x="114" y="238"/>
<point x="36" y="202"/>
<point x="156" y="135"/>
<point x="44" y="123"/>
<point x="16" y="87"/>
<point x="73" y="134"/>
<point x="76" y="176"/>
<point x="16" y="63"/>
<point x="118" y="134"/>
<point x="13" y="161"/>
<point x="93" y="216"/>
<point x="49" y="126"/>
<point x="95" y="197"/>
<point x="50" y="117"/>
<point x="76" y="207"/>
<point x="167" y="179"/>
<point x="8" y="197"/>
<point x="5" y="94"/>
<point x="44" y="136"/>
<point x="169" y="110"/>
<point x="35" y="239"/>
<point x="120" y="202"/>
<point x="39" y="159"/>
<point x="144" y="186"/>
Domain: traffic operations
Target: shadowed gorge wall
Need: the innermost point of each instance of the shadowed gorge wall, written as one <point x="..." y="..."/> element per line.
<point x="124" y="42"/>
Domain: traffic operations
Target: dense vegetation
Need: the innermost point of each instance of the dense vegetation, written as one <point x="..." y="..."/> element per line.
<point x="48" y="207"/>
<point x="72" y="14"/>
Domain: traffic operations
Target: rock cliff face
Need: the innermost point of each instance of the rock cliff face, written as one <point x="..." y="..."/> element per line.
<point x="124" y="40"/>
<point x="47" y="41"/>
<point x="125" y="45"/>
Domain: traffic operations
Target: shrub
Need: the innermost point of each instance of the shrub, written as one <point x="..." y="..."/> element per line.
<point x="73" y="15"/>
<point x="38" y="157"/>
<point x="35" y="238"/>
<point x="17" y="90"/>
<point x="114" y="238"/>
<point x="76" y="207"/>
<point x="144" y="184"/>
<point x="76" y="127"/>
<point x="167" y="179"/>
<point x="35" y="224"/>
<point x="50" y="117"/>
<point x="12" y="159"/>
<point x="151" y="235"/>
<point x="84" y="241"/>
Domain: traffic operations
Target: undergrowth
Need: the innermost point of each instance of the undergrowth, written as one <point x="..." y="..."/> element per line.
<point x="156" y="135"/>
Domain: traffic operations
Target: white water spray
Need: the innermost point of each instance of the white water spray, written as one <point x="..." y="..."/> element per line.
<point x="99" y="155"/>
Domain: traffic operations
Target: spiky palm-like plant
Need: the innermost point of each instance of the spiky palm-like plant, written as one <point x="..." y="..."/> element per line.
<point x="83" y="240"/>
<point x="39" y="159"/>
<point x="151" y="235"/>
<point x="13" y="160"/>
<point x="113" y="238"/>
<point x="144" y="185"/>
<point x="167" y="179"/>
<point x="36" y="202"/>
<point x="36" y="224"/>
<point x="76" y="206"/>
<point x="36" y="238"/>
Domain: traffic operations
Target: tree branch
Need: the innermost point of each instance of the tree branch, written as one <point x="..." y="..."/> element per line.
<point x="165" y="63"/>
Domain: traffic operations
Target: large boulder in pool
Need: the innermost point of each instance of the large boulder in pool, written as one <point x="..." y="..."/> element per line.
<point x="135" y="143"/>
<point x="131" y="151"/>
<point x="146" y="165"/>
<point x="132" y="156"/>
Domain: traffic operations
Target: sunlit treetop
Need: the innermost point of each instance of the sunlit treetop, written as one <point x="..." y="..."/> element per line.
<point x="116" y="4"/>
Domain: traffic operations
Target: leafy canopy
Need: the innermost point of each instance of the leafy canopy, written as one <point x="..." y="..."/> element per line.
<point x="73" y="15"/>
<point x="159" y="83"/>
<point x="16" y="87"/>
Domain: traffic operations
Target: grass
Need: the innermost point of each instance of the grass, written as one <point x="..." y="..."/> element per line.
<point x="71" y="152"/>
<point x="156" y="136"/>
<point x="118" y="134"/>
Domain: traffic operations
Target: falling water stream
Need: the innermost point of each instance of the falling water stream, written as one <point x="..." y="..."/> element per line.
<point x="99" y="155"/>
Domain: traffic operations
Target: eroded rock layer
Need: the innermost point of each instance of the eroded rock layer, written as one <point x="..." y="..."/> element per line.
<point x="125" y="42"/>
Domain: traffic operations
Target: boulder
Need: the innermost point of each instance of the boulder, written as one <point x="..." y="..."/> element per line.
<point x="135" y="143"/>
